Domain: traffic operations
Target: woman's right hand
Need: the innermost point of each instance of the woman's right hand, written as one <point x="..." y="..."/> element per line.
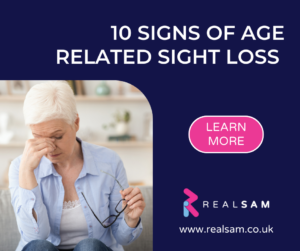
<point x="34" y="150"/>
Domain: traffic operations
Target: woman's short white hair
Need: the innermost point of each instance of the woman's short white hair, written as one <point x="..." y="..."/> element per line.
<point x="50" y="100"/>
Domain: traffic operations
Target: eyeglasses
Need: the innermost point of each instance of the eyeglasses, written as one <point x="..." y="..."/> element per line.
<point x="112" y="218"/>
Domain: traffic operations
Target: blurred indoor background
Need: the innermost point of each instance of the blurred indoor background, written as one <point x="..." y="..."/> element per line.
<point x="113" y="114"/>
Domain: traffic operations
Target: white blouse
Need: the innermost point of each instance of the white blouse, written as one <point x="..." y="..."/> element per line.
<point x="73" y="227"/>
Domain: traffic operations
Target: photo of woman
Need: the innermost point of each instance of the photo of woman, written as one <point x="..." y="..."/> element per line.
<point x="69" y="194"/>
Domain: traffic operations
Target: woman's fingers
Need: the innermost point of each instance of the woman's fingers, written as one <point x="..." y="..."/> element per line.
<point x="133" y="192"/>
<point x="41" y="147"/>
<point x="34" y="145"/>
<point x="47" y="141"/>
<point x="34" y="142"/>
<point x="44" y="151"/>
<point x="121" y="192"/>
<point x="136" y="203"/>
<point x="139" y="203"/>
<point x="135" y="199"/>
<point x="44" y="145"/>
<point x="126" y="192"/>
<point x="34" y="151"/>
<point x="123" y="197"/>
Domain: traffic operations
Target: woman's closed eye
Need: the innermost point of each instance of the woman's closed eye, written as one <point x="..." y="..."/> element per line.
<point x="59" y="137"/>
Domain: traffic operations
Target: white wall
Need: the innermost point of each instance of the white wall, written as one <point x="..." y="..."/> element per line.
<point x="93" y="114"/>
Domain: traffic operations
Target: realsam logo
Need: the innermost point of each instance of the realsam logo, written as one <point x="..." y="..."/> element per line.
<point x="188" y="208"/>
<point x="187" y="205"/>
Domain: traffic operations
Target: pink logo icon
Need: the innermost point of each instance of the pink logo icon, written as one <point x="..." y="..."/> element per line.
<point x="187" y="205"/>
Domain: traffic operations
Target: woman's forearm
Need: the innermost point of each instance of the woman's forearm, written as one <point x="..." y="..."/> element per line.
<point x="26" y="199"/>
<point x="27" y="179"/>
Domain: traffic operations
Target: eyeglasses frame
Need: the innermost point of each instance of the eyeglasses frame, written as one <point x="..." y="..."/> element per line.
<point x="107" y="226"/>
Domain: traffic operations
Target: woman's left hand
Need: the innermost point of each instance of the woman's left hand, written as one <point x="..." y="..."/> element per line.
<point x="136" y="205"/>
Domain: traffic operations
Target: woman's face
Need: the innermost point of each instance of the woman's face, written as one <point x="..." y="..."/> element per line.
<point x="64" y="135"/>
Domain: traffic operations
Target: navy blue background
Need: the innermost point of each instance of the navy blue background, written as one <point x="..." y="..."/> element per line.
<point x="178" y="94"/>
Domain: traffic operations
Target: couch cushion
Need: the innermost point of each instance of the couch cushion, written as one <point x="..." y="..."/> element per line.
<point x="9" y="234"/>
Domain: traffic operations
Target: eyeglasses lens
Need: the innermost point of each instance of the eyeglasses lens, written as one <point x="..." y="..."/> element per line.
<point x="108" y="221"/>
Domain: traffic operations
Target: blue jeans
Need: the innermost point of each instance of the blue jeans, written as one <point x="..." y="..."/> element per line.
<point x="89" y="244"/>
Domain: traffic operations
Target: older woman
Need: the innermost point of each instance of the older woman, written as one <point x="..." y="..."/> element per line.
<point x="68" y="194"/>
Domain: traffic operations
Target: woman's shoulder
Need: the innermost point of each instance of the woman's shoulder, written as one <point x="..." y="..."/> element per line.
<point x="103" y="158"/>
<point x="100" y="152"/>
<point x="16" y="162"/>
<point x="14" y="167"/>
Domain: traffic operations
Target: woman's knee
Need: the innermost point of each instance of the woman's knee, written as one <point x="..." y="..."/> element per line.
<point x="91" y="244"/>
<point x="37" y="245"/>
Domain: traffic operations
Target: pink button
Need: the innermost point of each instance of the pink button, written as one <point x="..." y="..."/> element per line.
<point x="226" y="134"/>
